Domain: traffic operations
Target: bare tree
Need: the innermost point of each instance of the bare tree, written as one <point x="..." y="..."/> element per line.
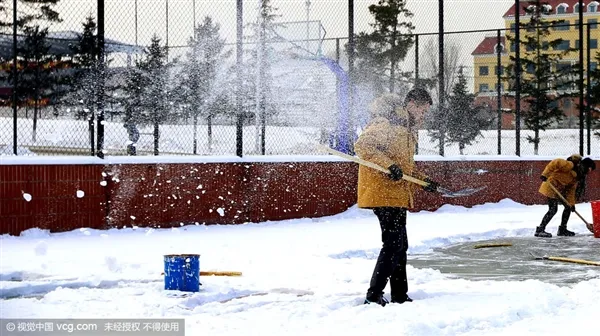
<point x="430" y="69"/>
<point x="439" y="119"/>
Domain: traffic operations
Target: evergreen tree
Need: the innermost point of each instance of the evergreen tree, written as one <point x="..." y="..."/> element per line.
<point x="198" y="87"/>
<point x="256" y="72"/>
<point x="594" y="100"/>
<point x="38" y="80"/>
<point x="436" y="123"/>
<point x="82" y="81"/>
<point x="260" y="42"/>
<point x="154" y="70"/>
<point x="544" y="81"/>
<point x="465" y="121"/>
<point x="31" y="16"/>
<point x="30" y="13"/>
<point x="596" y="123"/>
<point x="85" y="71"/>
<point x="145" y="96"/>
<point x="261" y="57"/>
<point x="380" y="52"/>
<point x="131" y="98"/>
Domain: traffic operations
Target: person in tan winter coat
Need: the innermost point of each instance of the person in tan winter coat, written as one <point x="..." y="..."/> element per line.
<point x="564" y="175"/>
<point x="390" y="140"/>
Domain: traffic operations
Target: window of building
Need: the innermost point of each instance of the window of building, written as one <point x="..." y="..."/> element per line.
<point x="561" y="9"/>
<point x="592" y="7"/>
<point x="593" y="44"/>
<point x="576" y="8"/>
<point x="593" y="66"/>
<point x="563" y="45"/>
<point x="483" y="71"/>
<point x="530" y="68"/>
<point x="592" y="22"/>
<point x="545" y="45"/>
<point x="561" y="25"/>
<point x="483" y="88"/>
<point x="499" y="86"/>
<point x="546" y="9"/>
<point x="530" y="46"/>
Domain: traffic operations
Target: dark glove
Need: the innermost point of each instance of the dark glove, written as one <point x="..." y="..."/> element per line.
<point x="395" y="172"/>
<point x="543" y="178"/>
<point x="572" y="208"/>
<point x="432" y="187"/>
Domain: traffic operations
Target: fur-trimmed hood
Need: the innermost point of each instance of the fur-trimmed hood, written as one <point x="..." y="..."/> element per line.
<point x="390" y="106"/>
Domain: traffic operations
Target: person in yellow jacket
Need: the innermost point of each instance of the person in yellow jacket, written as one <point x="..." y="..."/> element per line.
<point x="390" y="140"/>
<point x="564" y="175"/>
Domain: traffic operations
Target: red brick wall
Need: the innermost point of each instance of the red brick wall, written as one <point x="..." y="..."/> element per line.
<point x="54" y="203"/>
<point x="170" y="194"/>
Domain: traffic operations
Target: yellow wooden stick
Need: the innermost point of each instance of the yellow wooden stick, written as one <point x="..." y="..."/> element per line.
<point x="220" y="273"/>
<point x="577" y="261"/>
<point x="491" y="245"/>
<point x="588" y="225"/>
<point x="371" y="165"/>
<point x="217" y="273"/>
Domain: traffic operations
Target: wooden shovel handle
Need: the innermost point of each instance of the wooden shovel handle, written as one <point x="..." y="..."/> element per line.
<point x="372" y="165"/>
<point x="588" y="225"/>
<point x="220" y="273"/>
<point x="216" y="273"/>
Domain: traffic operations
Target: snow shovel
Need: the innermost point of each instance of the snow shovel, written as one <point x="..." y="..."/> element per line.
<point x="443" y="191"/>
<point x="588" y="225"/>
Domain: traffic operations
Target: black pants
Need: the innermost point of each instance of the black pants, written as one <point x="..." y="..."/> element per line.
<point x="552" y="209"/>
<point x="391" y="262"/>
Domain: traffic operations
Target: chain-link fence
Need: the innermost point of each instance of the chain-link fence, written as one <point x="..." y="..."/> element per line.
<point x="191" y="77"/>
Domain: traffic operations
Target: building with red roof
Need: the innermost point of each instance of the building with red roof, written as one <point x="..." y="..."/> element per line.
<point x="489" y="76"/>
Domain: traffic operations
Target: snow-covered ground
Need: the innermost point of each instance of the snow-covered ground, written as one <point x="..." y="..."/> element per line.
<point x="300" y="277"/>
<point x="68" y="136"/>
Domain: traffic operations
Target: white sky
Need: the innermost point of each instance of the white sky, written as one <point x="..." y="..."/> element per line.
<point x="120" y="17"/>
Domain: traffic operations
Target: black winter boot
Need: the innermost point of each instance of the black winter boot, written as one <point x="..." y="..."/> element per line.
<point x="562" y="231"/>
<point x="540" y="231"/>
<point x="406" y="298"/>
<point x="382" y="301"/>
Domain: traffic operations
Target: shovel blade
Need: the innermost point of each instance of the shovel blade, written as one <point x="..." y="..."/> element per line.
<point x="460" y="193"/>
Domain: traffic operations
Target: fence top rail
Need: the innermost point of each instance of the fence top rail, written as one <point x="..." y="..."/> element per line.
<point x="489" y="30"/>
<point x="93" y="160"/>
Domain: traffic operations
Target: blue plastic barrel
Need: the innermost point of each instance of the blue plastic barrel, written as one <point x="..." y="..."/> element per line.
<point x="182" y="272"/>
